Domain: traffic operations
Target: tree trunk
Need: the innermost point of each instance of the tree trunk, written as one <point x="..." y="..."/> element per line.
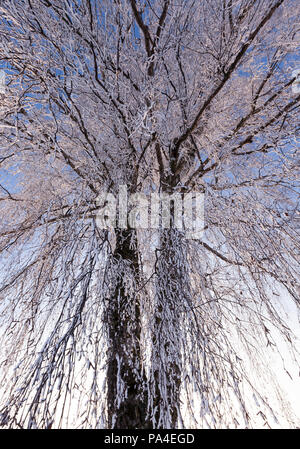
<point x="172" y="290"/>
<point x="126" y="381"/>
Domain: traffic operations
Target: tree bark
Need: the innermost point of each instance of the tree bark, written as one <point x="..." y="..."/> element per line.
<point x="172" y="289"/>
<point x="126" y="380"/>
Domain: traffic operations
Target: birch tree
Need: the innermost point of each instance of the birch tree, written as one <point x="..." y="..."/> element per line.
<point x="145" y="328"/>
